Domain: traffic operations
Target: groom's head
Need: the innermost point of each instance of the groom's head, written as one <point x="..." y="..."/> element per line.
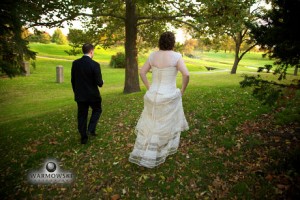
<point x="88" y="49"/>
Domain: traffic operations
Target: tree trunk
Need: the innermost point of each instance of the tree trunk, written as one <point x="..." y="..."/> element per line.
<point x="131" y="69"/>
<point x="235" y="64"/>
<point x="237" y="40"/>
<point x="296" y="70"/>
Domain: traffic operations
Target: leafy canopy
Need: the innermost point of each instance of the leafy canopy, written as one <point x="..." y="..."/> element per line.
<point x="278" y="33"/>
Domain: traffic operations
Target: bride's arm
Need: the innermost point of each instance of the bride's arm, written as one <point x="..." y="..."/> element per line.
<point x="185" y="74"/>
<point x="143" y="73"/>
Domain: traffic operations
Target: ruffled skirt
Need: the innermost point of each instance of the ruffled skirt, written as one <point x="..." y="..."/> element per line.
<point x="158" y="129"/>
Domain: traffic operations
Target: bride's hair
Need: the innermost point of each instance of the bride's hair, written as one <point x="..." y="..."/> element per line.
<point x="166" y="41"/>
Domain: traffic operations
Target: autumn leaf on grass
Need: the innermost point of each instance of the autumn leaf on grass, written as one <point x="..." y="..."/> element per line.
<point x="220" y="150"/>
<point x="115" y="197"/>
<point x="53" y="141"/>
<point x="32" y="150"/>
<point x="193" y="183"/>
<point x="217" y="183"/>
<point x="107" y="190"/>
<point x="219" y="188"/>
<point x="130" y="145"/>
<point x="269" y="177"/>
<point x="143" y="177"/>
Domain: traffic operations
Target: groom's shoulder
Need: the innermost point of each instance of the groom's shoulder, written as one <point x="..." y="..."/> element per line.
<point x="77" y="60"/>
<point x="95" y="63"/>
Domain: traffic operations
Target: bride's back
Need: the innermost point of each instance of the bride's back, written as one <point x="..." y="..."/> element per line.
<point x="164" y="59"/>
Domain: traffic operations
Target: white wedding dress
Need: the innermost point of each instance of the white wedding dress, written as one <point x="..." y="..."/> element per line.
<point x="162" y="120"/>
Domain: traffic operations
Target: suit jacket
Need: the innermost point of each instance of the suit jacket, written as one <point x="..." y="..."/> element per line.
<point x="85" y="78"/>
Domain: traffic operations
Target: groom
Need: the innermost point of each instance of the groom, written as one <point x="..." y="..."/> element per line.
<point x="85" y="78"/>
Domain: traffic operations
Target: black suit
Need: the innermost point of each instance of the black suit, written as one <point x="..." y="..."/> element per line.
<point x="86" y="77"/>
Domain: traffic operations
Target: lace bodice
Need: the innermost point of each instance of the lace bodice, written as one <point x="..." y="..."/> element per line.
<point x="164" y="71"/>
<point x="163" y="79"/>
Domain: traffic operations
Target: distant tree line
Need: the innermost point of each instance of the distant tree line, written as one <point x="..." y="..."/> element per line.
<point x="43" y="37"/>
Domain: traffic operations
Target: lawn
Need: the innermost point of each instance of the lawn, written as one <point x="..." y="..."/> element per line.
<point x="235" y="148"/>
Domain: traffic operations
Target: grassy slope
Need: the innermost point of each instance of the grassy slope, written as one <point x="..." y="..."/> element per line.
<point x="38" y="121"/>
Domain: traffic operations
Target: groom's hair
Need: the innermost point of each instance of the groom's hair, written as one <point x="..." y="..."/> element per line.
<point x="86" y="48"/>
<point x="166" y="41"/>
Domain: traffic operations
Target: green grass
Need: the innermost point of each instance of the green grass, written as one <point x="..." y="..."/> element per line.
<point x="38" y="121"/>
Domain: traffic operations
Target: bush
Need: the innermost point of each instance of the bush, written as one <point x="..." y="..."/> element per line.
<point x="260" y="69"/>
<point x="268" y="68"/>
<point x="118" y="60"/>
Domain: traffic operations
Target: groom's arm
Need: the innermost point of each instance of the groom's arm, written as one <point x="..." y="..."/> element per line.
<point x="98" y="75"/>
<point x="73" y="77"/>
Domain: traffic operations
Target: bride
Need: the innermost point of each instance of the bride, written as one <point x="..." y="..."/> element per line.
<point x="162" y="120"/>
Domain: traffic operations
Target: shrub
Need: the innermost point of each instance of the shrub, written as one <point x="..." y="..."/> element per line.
<point x="268" y="68"/>
<point x="118" y="60"/>
<point x="260" y="69"/>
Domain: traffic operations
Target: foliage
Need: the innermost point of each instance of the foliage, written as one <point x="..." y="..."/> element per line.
<point x="149" y="36"/>
<point x="13" y="44"/>
<point x="189" y="46"/>
<point x="277" y="33"/>
<point x="227" y="44"/>
<point x="45" y="38"/>
<point x="266" y="67"/>
<point x="229" y="18"/>
<point x="179" y="47"/>
<point x="269" y="92"/>
<point x="41" y="37"/>
<point x="118" y="60"/>
<point x="58" y="37"/>
<point x="76" y="39"/>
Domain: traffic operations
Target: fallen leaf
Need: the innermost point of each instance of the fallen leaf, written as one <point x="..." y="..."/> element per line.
<point x="115" y="197"/>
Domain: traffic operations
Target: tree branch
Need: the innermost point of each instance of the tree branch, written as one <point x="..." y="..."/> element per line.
<point x="249" y="48"/>
<point x="159" y="17"/>
<point x="72" y="17"/>
<point x="173" y="18"/>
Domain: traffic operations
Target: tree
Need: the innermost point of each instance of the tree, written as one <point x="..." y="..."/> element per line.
<point x="38" y="36"/>
<point x="58" y="37"/>
<point x="13" y="44"/>
<point x="45" y="38"/>
<point x="277" y="33"/>
<point x="227" y="44"/>
<point x="114" y="18"/>
<point x="76" y="38"/>
<point x="189" y="46"/>
<point x="221" y="18"/>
